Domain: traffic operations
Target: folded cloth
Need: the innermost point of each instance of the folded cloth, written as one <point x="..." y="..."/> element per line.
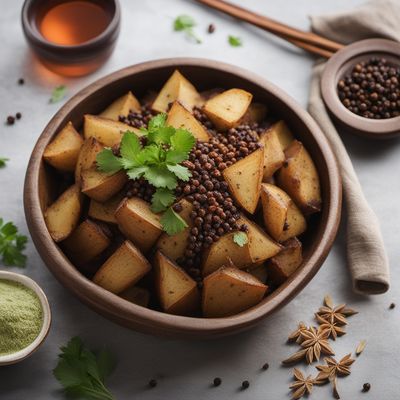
<point x="366" y="254"/>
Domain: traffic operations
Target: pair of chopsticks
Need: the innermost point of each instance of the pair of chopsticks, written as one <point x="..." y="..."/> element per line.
<point x="308" y="41"/>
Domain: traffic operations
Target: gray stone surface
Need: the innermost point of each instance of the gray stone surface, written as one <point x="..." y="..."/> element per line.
<point x="187" y="368"/>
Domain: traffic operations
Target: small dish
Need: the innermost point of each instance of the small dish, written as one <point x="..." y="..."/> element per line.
<point x="29" y="350"/>
<point x="338" y="66"/>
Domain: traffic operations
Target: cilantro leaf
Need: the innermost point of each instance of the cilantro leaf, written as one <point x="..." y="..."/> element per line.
<point x="180" y="171"/>
<point x="157" y="122"/>
<point x="181" y="144"/>
<point x="108" y="162"/>
<point x="12" y="245"/>
<point x="130" y="146"/>
<point x="172" y="222"/>
<point x="235" y="41"/>
<point x="58" y="93"/>
<point x="3" y="161"/>
<point x="161" y="177"/>
<point x="162" y="199"/>
<point x="186" y="23"/>
<point x="137" y="172"/>
<point x="240" y="238"/>
<point x="82" y="373"/>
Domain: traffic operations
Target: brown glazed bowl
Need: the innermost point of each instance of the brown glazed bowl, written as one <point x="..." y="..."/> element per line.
<point x="204" y="74"/>
<point x="339" y="65"/>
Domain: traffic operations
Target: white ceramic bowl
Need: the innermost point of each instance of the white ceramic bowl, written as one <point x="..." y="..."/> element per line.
<point x="27" y="351"/>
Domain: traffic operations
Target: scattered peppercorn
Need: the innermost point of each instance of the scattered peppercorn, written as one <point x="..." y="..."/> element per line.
<point x="152" y="383"/>
<point x="18" y="115"/>
<point x="265" y="366"/>
<point x="21" y="81"/>
<point x="217" y="381"/>
<point x="211" y="28"/>
<point x="372" y="89"/>
<point x="245" y="385"/>
<point x="366" y="387"/>
<point x="392" y="305"/>
<point x="10" y="120"/>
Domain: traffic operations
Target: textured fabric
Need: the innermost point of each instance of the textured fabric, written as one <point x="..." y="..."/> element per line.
<point x="366" y="254"/>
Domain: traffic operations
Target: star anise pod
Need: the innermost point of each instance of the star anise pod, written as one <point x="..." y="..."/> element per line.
<point x="295" y="336"/>
<point x="333" y="329"/>
<point x="302" y="385"/>
<point x="336" y="314"/>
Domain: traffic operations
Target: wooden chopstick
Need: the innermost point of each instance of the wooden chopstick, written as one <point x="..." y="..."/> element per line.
<point x="307" y="40"/>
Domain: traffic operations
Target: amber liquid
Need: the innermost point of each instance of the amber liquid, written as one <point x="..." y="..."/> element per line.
<point x="73" y="22"/>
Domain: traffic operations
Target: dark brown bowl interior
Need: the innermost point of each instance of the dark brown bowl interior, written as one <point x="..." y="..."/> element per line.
<point x="340" y="65"/>
<point x="205" y="74"/>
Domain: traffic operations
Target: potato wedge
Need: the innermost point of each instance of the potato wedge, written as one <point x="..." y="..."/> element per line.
<point x="87" y="157"/>
<point x="62" y="153"/>
<point x="227" y="109"/>
<point x="224" y="251"/>
<point x="299" y="178"/>
<point x="137" y="295"/>
<point x="177" y="291"/>
<point x="273" y="153"/>
<point x="105" y="211"/>
<point x="63" y="215"/>
<point x="260" y="272"/>
<point x="282" y="218"/>
<point x="126" y="266"/>
<point x="101" y="186"/>
<point x="177" y="88"/>
<point x="229" y="291"/>
<point x="86" y="242"/>
<point x="106" y="131"/>
<point x="244" y="179"/>
<point x="121" y="106"/>
<point x="174" y="246"/>
<point x="286" y="262"/>
<point x="283" y="133"/>
<point x="261" y="246"/>
<point x="137" y="221"/>
<point x="179" y="117"/>
<point x="255" y="114"/>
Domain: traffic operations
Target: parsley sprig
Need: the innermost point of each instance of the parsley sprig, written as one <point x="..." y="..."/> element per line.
<point x="159" y="162"/>
<point x="82" y="373"/>
<point x="12" y="245"/>
<point x="186" y="24"/>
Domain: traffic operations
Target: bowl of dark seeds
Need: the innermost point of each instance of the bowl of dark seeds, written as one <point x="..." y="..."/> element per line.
<point x="361" y="88"/>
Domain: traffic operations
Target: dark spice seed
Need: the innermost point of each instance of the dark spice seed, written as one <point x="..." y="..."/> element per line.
<point x="18" y="115"/>
<point x="265" y="366"/>
<point x="152" y="383"/>
<point x="21" y="81"/>
<point x="10" y="120"/>
<point x="217" y="381"/>
<point x="366" y="387"/>
<point x="245" y="385"/>
<point x="392" y="305"/>
<point x="211" y="28"/>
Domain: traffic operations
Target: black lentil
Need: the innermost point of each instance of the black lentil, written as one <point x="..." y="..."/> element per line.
<point x="245" y="385"/>
<point x="211" y="28"/>
<point x="392" y="305"/>
<point x="217" y="381"/>
<point x="138" y="119"/>
<point x="366" y="387"/>
<point x="10" y="120"/>
<point x="21" y="81"/>
<point x="265" y="366"/>
<point x="18" y="115"/>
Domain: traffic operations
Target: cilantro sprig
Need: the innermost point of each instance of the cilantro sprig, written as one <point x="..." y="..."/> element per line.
<point x="12" y="245"/>
<point x="240" y="238"/>
<point x="186" y="24"/>
<point x="235" y="41"/>
<point x="82" y="373"/>
<point x="58" y="94"/>
<point x="3" y="162"/>
<point x="159" y="162"/>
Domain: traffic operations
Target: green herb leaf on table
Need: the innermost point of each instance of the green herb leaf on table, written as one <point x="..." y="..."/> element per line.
<point x="158" y="162"/>
<point x="12" y="245"/>
<point x="240" y="238"/>
<point x="82" y="373"/>
<point x="58" y="93"/>
<point x="172" y="222"/>
<point x="235" y="41"/>
<point x="3" y="162"/>
<point x="186" y="24"/>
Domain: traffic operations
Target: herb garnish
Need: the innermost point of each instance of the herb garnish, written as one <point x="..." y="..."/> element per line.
<point x="158" y="162"/>
<point x="3" y="161"/>
<point x="186" y="23"/>
<point x="235" y="41"/>
<point x="58" y="93"/>
<point x="12" y="245"/>
<point x="82" y="373"/>
<point x="240" y="238"/>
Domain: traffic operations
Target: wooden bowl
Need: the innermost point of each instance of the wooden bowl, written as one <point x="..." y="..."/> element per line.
<point x="340" y="65"/>
<point x="205" y="74"/>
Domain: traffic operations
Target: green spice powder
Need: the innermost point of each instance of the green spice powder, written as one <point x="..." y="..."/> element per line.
<point x="21" y="316"/>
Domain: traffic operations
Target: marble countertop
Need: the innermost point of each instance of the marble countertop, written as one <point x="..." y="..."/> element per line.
<point x="185" y="369"/>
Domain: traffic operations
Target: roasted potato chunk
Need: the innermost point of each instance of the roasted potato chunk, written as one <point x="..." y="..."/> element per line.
<point x="282" y="218"/>
<point x="176" y="290"/>
<point x="227" y="109"/>
<point x="136" y="295"/>
<point x="255" y="114"/>
<point x="121" y="107"/>
<point x="126" y="266"/>
<point x="283" y="134"/>
<point x="299" y="178"/>
<point x="229" y="291"/>
<point x="105" y="211"/>
<point x="62" y="153"/>
<point x="87" y="157"/>
<point x="273" y="153"/>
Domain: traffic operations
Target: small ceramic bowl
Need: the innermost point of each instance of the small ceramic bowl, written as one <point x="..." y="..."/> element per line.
<point x="340" y="65"/>
<point x="29" y="350"/>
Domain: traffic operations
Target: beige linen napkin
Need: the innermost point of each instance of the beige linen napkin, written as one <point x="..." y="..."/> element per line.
<point x="366" y="253"/>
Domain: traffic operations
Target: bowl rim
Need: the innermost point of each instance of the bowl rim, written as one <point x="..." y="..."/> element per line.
<point x="379" y="129"/>
<point x="145" y="319"/>
<point x="32" y="347"/>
